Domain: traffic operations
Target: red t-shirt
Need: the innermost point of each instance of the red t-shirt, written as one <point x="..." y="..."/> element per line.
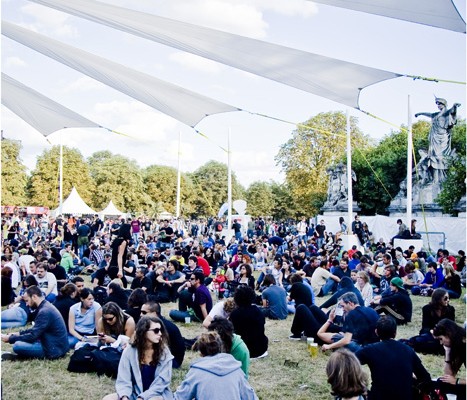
<point x="203" y="263"/>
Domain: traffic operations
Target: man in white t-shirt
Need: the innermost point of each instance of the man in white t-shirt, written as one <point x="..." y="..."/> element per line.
<point x="46" y="282"/>
<point x="320" y="276"/>
<point x="24" y="261"/>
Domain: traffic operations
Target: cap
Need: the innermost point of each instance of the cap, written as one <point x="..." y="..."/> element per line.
<point x="397" y="282"/>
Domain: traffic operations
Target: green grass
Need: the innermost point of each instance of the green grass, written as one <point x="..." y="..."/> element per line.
<point x="272" y="380"/>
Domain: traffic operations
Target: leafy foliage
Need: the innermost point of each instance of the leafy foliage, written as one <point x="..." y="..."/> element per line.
<point x="161" y="185"/>
<point x="210" y="181"/>
<point x="260" y="200"/>
<point x="454" y="187"/>
<point x="119" y="179"/>
<point x="314" y="146"/>
<point x="44" y="182"/>
<point x="14" y="177"/>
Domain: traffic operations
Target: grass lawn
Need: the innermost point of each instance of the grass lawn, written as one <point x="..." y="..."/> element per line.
<point x="46" y="380"/>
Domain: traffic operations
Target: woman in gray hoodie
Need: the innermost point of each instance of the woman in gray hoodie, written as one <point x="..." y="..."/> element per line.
<point x="214" y="376"/>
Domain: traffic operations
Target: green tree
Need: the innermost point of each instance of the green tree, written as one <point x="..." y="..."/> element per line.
<point x="260" y="200"/>
<point x="119" y="179"/>
<point x="454" y="186"/>
<point x="314" y="146"/>
<point x="161" y="185"/>
<point x="14" y="177"/>
<point x="284" y="205"/>
<point x="210" y="181"/>
<point x="44" y="182"/>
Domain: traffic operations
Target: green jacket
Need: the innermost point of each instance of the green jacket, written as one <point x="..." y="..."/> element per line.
<point x="67" y="261"/>
<point x="241" y="353"/>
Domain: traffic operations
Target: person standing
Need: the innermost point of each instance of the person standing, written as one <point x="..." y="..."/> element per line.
<point x="47" y="338"/>
<point x="321" y="232"/>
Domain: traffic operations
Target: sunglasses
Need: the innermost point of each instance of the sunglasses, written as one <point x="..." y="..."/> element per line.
<point x="155" y="330"/>
<point x="192" y="279"/>
<point x="109" y="318"/>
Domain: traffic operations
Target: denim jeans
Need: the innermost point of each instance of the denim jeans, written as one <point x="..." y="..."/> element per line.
<point x="29" y="350"/>
<point x="14" y="318"/>
<point x="329" y="286"/>
<point x="179" y="316"/>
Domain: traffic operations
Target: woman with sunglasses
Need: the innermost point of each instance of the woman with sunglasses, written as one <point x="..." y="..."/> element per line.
<point x="145" y="369"/>
<point x="113" y="323"/>
<point x="452" y="338"/>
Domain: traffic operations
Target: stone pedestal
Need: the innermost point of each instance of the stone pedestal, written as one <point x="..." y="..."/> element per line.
<point x="339" y="209"/>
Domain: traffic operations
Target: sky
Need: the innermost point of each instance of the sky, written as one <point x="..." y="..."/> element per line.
<point x="365" y="39"/>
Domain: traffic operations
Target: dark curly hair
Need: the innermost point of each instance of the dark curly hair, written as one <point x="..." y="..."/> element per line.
<point x="140" y="340"/>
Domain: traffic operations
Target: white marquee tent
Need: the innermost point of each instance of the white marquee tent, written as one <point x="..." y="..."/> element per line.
<point x="74" y="204"/>
<point x="111" y="210"/>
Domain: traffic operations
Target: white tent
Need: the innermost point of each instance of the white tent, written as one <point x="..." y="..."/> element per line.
<point x="74" y="204"/>
<point x="111" y="210"/>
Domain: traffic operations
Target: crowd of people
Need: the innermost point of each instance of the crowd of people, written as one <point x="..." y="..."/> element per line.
<point x="87" y="282"/>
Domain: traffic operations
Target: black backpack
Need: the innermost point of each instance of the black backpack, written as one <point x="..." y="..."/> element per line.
<point x="82" y="360"/>
<point x="106" y="361"/>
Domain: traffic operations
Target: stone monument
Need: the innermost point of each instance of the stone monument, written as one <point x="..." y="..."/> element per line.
<point x="432" y="168"/>
<point x="337" y="197"/>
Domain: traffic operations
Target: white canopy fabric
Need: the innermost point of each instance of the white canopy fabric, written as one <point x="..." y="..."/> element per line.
<point x="74" y="204"/>
<point x="165" y="97"/>
<point x="111" y="210"/>
<point x="386" y="227"/>
<point x="42" y="113"/>
<point x="327" y="77"/>
<point x="437" y="13"/>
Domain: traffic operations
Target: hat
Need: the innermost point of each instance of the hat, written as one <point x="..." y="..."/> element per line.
<point x="397" y="282"/>
<point x="23" y="251"/>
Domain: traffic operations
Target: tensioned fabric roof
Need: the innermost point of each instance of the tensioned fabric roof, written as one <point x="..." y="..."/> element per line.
<point x="327" y="77"/>
<point x="111" y="210"/>
<point x="163" y="96"/>
<point x="42" y="113"/>
<point x="438" y="13"/>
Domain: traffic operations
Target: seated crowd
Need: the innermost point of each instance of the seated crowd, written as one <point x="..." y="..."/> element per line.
<point x="134" y="267"/>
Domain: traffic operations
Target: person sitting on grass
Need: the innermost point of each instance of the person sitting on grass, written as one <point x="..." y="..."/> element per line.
<point x="392" y="355"/>
<point x="199" y="300"/>
<point x="274" y="299"/>
<point x="345" y="375"/>
<point x="249" y="322"/>
<point x="145" y="369"/>
<point x="113" y="323"/>
<point x="46" y="339"/>
<point x="233" y="343"/>
<point x="398" y="303"/>
<point x="358" y="329"/>
<point x="176" y="340"/>
<point x="83" y="318"/>
<point x="216" y="375"/>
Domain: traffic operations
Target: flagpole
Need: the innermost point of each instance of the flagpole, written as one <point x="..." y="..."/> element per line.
<point x="229" y="185"/>
<point x="60" y="163"/>
<point x="349" y="175"/>
<point x="177" y="208"/>
<point x="409" y="164"/>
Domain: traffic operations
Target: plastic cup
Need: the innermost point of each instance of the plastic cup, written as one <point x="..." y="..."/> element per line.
<point x="187" y="320"/>
<point x="313" y="348"/>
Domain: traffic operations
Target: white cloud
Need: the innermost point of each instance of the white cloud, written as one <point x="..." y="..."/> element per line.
<point x="49" y="20"/>
<point x="195" y="62"/>
<point x="15" y="62"/>
<point x="288" y="8"/>
<point x="134" y="119"/>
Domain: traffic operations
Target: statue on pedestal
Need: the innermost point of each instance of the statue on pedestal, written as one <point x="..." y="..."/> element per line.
<point x="338" y="189"/>
<point x="433" y="164"/>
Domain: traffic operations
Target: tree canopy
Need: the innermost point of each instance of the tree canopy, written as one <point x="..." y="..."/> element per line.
<point x="14" y="176"/>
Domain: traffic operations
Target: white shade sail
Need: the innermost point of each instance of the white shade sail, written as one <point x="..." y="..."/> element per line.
<point x="327" y="77"/>
<point x="42" y="113"/>
<point x="74" y="204"/>
<point x="437" y="13"/>
<point x="165" y="97"/>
